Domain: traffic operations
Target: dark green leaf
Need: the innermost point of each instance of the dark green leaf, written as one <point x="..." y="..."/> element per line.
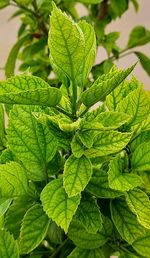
<point x="145" y="61"/>
<point x="8" y="246"/>
<point x="139" y="36"/>
<point x="83" y="253"/>
<point x="142" y="245"/>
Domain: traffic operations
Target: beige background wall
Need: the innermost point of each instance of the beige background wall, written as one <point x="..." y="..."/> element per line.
<point x="8" y="31"/>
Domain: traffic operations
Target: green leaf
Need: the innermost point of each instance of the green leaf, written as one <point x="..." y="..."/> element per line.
<point x="89" y="50"/>
<point x="6" y="156"/>
<point x="58" y="206"/>
<point x="4" y="3"/>
<point x="77" y="146"/>
<point x="86" y="138"/>
<point x="104" y="85"/>
<point x="142" y="245"/>
<point x="88" y="214"/>
<point x="120" y="180"/>
<point x="108" y="142"/>
<point x="11" y="60"/>
<point x="66" y="43"/>
<point x="28" y="90"/>
<point x="139" y="36"/>
<point x="145" y="61"/>
<point x="125" y="221"/>
<point x="77" y="173"/>
<point x="139" y="204"/>
<point x="139" y="139"/>
<point x="118" y="8"/>
<point x="111" y="120"/>
<point x="83" y="253"/>
<point x="33" y="230"/>
<point x="55" y="233"/>
<point x="15" y="214"/>
<point x="4" y="205"/>
<point x="67" y="125"/>
<point x="85" y="240"/>
<point x="99" y="187"/>
<point x="141" y="157"/>
<point x="114" y="98"/>
<point x="13" y="180"/>
<point x="2" y="127"/>
<point x="8" y="246"/>
<point x="30" y="141"/>
<point x="135" y="4"/>
<point x="137" y="105"/>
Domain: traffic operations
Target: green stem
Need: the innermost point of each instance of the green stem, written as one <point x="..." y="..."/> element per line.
<point x="74" y="99"/>
<point x="59" y="249"/>
<point x="64" y="111"/>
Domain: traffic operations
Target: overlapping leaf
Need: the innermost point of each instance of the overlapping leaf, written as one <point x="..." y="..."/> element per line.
<point x="142" y="245"/>
<point x="104" y="85"/>
<point x="28" y="90"/>
<point x="8" y="246"/>
<point x="13" y="180"/>
<point x="139" y="204"/>
<point x="33" y="230"/>
<point x="30" y="141"/>
<point x="141" y="157"/>
<point x="58" y="206"/>
<point x="106" y="143"/>
<point x="77" y="146"/>
<point x="99" y="186"/>
<point x="77" y="173"/>
<point x="119" y="180"/>
<point x="137" y="105"/>
<point x="78" y="253"/>
<point x="85" y="240"/>
<point x="4" y="205"/>
<point x="125" y="221"/>
<point x="88" y="214"/>
<point x="1" y="126"/>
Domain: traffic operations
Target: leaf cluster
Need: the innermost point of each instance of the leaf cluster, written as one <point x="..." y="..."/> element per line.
<point x="74" y="179"/>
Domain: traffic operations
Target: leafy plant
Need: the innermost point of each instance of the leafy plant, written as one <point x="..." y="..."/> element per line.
<point x="74" y="181"/>
<point x="31" y="46"/>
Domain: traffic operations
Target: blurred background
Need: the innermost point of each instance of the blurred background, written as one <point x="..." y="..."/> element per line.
<point x="8" y="34"/>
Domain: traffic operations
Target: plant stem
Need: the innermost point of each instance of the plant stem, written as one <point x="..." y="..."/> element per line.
<point x="63" y="111"/>
<point x="58" y="249"/>
<point x="74" y="99"/>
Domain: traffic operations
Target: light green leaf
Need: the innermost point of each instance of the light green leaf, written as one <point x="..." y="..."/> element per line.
<point x="28" y="90"/>
<point x="139" y="204"/>
<point x="85" y="240"/>
<point x="125" y="221"/>
<point x="30" y="141"/>
<point x="4" y="205"/>
<point x="108" y="142"/>
<point x="8" y="246"/>
<point x="111" y="120"/>
<point x="137" y="105"/>
<point x="143" y="126"/>
<point x="66" y="43"/>
<point x="139" y="36"/>
<point x="141" y="157"/>
<point x="86" y="138"/>
<point x="136" y="7"/>
<point x="128" y="255"/>
<point x="58" y="206"/>
<point x="142" y="245"/>
<point x="120" y="180"/>
<point x="139" y="139"/>
<point x="11" y="60"/>
<point x="77" y="173"/>
<point x="104" y="85"/>
<point x="13" y="180"/>
<point x="1" y="126"/>
<point x="99" y="187"/>
<point x="15" y="214"/>
<point x="88" y="214"/>
<point x="4" y="3"/>
<point x="114" y="98"/>
<point x="83" y="253"/>
<point x="77" y="146"/>
<point x="67" y="125"/>
<point x="33" y="230"/>
<point x="145" y="61"/>
<point x="89" y="50"/>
